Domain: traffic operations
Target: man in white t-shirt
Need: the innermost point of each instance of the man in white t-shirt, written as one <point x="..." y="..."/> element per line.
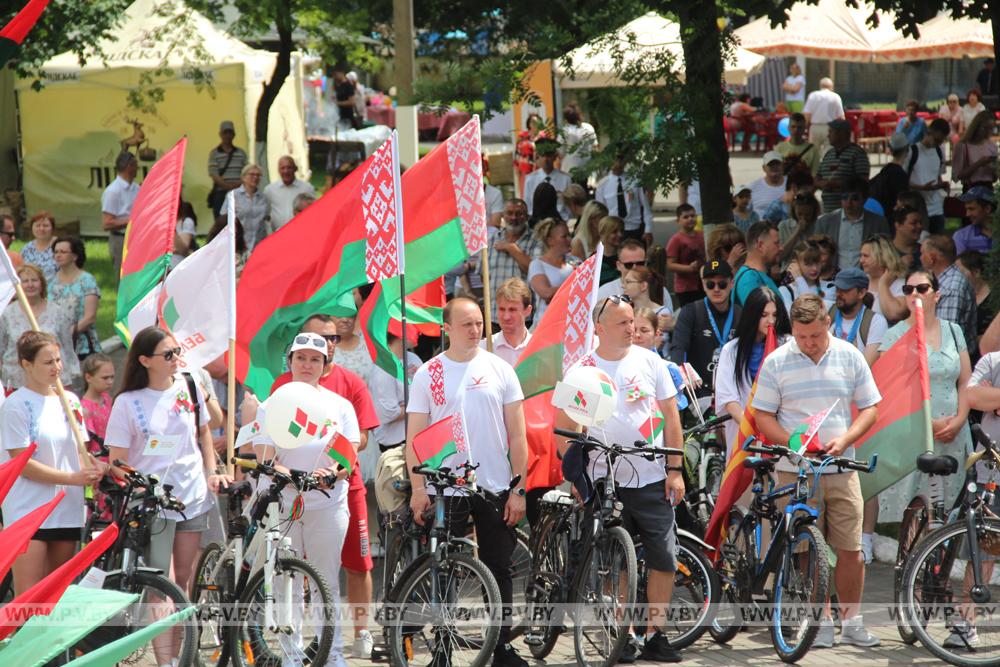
<point x="513" y="304"/>
<point x="852" y="320"/>
<point x="579" y="139"/>
<point x="646" y="411"/>
<point x="281" y="194"/>
<point x="116" y="207"/>
<point x="771" y="186"/>
<point x="926" y="167"/>
<point x="822" y="107"/>
<point x="483" y="389"/>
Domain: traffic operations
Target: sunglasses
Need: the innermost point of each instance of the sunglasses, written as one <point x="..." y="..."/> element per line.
<point x="850" y="196"/>
<point x="331" y="338"/>
<point x="922" y="288"/>
<point x="616" y="299"/>
<point x="169" y="354"/>
<point x="711" y="284"/>
<point x="309" y="340"/>
<point x="632" y="265"/>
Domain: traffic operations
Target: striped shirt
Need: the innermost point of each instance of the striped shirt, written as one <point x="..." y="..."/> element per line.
<point x="794" y="388"/>
<point x="217" y="160"/>
<point x="851" y="161"/>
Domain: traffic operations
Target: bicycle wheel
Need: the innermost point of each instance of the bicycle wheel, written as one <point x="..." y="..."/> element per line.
<point x="398" y="554"/>
<point x="520" y="565"/>
<point x="911" y="529"/>
<point x="446" y="615"/>
<point x="301" y="629"/>
<point x="209" y="594"/>
<point x="605" y="596"/>
<point x="736" y="553"/>
<point x="546" y="586"/>
<point x="158" y="598"/>
<point x="935" y="605"/>
<point x="695" y="597"/>
<point x="800" y="586"/>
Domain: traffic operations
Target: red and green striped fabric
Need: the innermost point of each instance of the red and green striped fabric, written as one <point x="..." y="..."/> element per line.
<point x="12" y="35"/>
<point x="149" y="238"/>
<point x="341" y="451"/>
<point x="437" y="442"/>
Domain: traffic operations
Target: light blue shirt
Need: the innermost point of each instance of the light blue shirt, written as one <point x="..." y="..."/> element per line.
<point x="914" y="131"/>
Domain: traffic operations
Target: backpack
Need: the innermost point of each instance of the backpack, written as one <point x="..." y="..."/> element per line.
<point x="866" y="323"/>
<point x="391" y="467"/>
<point x="915" y="153"/>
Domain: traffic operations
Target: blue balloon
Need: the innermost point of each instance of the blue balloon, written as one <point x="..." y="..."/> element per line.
<point x="783" y="127"/>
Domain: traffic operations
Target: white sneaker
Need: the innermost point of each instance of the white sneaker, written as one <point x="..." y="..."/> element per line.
<point x="852" y="631"/>
<point x="363" y="645"/>
<point x="966" y="631"/>
<point x="824" y="638"/>
<point x="867" y="549"/>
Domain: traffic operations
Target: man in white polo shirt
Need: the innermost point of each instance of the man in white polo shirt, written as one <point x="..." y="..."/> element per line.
<point x="822" y="107"/>
<point x="116" y="207"/>
<point x="281" y="194"/>
<point x="513" y="306"/>
<point x="804" y="377"/>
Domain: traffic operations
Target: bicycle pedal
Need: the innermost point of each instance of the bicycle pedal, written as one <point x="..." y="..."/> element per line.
<point x="532" y="640"/>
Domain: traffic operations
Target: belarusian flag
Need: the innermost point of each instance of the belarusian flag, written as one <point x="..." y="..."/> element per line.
<point x="440" y="440"/>
<point x="902" y="431"/>
<point x="803" y="438"/>
<point x="736" y="478"/>
<point x="652" y="427"/>
<point x="382" y="211"/>
<point x="563" y="336"/>
<point x="341" y="450"/>
<point x="149" y="238"/>
<point x="12" y="35"/>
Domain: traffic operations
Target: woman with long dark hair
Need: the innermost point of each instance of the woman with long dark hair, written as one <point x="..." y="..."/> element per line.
<point x="740" y="358"/>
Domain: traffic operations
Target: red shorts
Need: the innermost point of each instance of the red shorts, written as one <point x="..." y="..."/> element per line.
<point x="357" y="552"/>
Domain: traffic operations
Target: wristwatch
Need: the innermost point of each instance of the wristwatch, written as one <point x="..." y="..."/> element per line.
<point x="520" y="491"/>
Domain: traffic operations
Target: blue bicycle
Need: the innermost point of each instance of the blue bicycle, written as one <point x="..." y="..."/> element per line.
<point x="796" y="560"/>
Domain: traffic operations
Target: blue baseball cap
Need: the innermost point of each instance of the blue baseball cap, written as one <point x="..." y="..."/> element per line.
<point x="851" y="278"/>
<point x="980" y="193"/>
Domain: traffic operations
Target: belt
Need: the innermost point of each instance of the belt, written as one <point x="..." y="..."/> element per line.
<point x="385" y="448"/>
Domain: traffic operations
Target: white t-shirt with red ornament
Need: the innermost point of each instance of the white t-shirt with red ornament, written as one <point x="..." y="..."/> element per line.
<point x="478" y="389"/>
<point x="641" y="379"/>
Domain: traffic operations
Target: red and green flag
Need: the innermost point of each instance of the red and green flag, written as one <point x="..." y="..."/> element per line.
<point x="440" y="440"/>
<point x="12" y="35"/>
<point x="149" y="238"/>
<point x="803" y="439"/>
<point x="902" y="431"/>
<point x="341" y="451"/>
<point x="736" y="478"/>
<point x="563" y="336"/>
<point x="652" y="427"/>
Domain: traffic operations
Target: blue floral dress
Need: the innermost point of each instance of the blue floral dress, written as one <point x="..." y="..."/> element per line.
<point x="71" y="297"/>
<point x="43" y="259"/>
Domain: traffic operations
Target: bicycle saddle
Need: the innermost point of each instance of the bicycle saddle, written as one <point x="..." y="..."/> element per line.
<point x="759" y="464"/>
<point x="931" y="464"/>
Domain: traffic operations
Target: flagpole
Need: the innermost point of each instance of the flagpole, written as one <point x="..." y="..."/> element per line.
<point x="231" y="371"/>
<point x="487" y="301"/>
<point x="401" y="259"/>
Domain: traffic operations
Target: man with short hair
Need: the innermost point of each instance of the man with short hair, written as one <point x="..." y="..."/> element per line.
<point x="798" y="153"/>
<point x="908" y="225"/>
<point x="703" y="327"/>
<point x="892" y="179"/>
<point x="843" y="162"/>
<point x="926" y="167"/>
<point x="763" y="249"/>
<point x="512" y="248"/>
<point x="957" y="302"/>
<point x="484" y="392"/>
<point x="631" y="254"/>
<point x="978" y="234"/>
<point x="513" y="306"/>
<point x="626" y="199"/>
<point x="225" y="165"/>
<point x="575" y="196"/>
<point x="822" y="107"/>
<point x="807" y="375"/>
<point x="771" y="186"/>
<point x="911" y="125"/>
<point x="116" y="207"/>
<point x="647" y="488"/>
<point x="281" y="194"/>
<point x="493" y="196"/>
<point x="987" y="80"/>
<point x="546" y="151"/>
<point x="8" y="232"/>
<point x="853" y="321"/>
<point x="579" y="139"/>
<point x="344" y="95"/>
<point x="851" y="224"/>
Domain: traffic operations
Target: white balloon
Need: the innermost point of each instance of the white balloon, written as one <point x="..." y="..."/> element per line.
<point x="587" y="395"/>
<point x="294" y="415"/>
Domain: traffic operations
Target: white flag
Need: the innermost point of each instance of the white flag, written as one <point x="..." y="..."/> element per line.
<point x="8" y="279"/>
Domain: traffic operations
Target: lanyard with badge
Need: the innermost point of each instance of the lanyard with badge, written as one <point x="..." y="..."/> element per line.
<point x="722" y="337"/>
<point x="838" y="321"/>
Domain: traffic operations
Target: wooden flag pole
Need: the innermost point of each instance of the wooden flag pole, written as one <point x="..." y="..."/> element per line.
<point x="231" y="408"/>
<point x="487" y="301"/>
<point x="60" y="390"/>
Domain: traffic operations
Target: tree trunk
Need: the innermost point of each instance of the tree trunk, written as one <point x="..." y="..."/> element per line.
<point x="703" y="85"/>
<point x="282" y="68"/>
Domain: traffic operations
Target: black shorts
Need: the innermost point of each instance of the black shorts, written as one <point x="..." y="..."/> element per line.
<point x="650" y="515"/>
<point x="57" y="534"/>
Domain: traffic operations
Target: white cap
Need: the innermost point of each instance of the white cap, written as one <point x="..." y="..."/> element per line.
<point x="772" y="156"/>
<point x="309" y="341"/>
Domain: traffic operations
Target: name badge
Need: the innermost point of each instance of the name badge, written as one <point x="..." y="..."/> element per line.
<point x="162" y="445"/>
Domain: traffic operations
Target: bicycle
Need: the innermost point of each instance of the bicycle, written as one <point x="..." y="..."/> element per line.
<point x="800" y="580"/>
<point x="704" y="467"/>
<point x="136" y="501"/>
<point x="258" y="575"/>
<point x="445" y="589"/>
<point x="930" y="603"/>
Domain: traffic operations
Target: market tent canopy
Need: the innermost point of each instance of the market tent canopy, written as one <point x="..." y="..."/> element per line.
<point x="593" y="66"/>
<point x="72" y="129"/>
<point x="943" y="37"/>
<point x="830" y="30"/>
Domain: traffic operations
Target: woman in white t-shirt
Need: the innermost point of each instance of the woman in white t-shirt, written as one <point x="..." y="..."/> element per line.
<point x="795" y="89"/>
<point x="547" y="273"/>
<point x="885" y="270"/>
<point x="152" y="428"/>
<point x="34" y="414"/>
<point x="318" y="534"/>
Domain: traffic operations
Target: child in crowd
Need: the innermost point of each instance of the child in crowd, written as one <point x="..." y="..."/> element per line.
<point x="743" y="213"/>
<point x="804" y="275"/>
<point x="828" y="260"/>
<point x="685" y="255"/>
<point x="99" y="376"/>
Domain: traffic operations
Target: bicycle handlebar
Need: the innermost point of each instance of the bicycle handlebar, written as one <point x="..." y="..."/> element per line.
<point x="841" y="462"/>
<point x="639" y="448"/>
<point x="710" y="424"/>
<point x="161" y="496"/>
<point x="444" y="477"/>
<point x="980" y="437"/>
<point x="302" y="481"/>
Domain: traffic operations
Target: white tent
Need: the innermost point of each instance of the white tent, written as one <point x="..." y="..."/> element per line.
<point x="593" y="65"/>
<point x="943" y="37"/>
<point x="74" y="127"/>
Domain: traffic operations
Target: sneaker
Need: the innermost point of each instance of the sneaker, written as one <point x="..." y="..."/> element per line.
<point x="852" y="631"/>
<point x="824" y="638"/>
<point x="867" y="548"/>
<point x="658" y="649"/>
<point x="963" y="636"/>
<point x="630" y="652"/>
<point x="506" y="656"/>
<point x="363" y="645"/>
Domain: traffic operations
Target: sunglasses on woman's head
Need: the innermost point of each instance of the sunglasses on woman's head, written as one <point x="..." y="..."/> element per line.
<point x="169" y="354"/>
<point x="309" y="340"/>
<point x="922" y="288"/>
<point x="617" y="299"/>
<point x="711" y="284"/>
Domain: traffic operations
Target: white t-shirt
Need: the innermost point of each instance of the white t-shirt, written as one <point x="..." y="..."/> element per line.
<point x="578" y="141"/>
<point x="799" y="96"/>
<point x="896" y="289"/>
<point x="186" y="226"/>
<point x="824" y="105"/>
<point x="494" y="200"/>
<point x="140" y="417"/>
<point x="929" y="167"/>
<point x="118" y="198"/>
<point x="635" y="418"/>
<point x="27" y="417"/>
<point x="728" y="391"/>
<point x="281" y="197"/>
<point x="312" y="455"/>
<point x="556" y="275"/>
<point x="876" y="330"/>
<point x="762" y="194"/>
<point x="387" y="395"/>
<point x="478" y="389"/>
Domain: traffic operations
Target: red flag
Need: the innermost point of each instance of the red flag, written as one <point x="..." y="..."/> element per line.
<point x="341" y="450"/>
<point x="12" y="35"/>
<point x="43" y="596"/>
<point x="11" y="469"/>
<point x="14" y="538"/>
<point x="736" y="479"/>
